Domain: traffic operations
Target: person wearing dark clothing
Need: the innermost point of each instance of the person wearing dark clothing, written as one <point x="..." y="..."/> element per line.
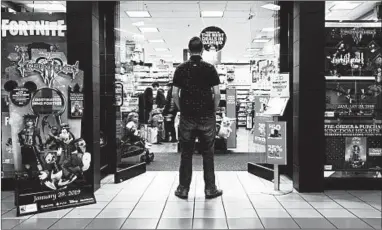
<point x="160" y="99"/>
<point x="196" y="93"/>
<point x="169" y="113"/>
<point x="145" y="103"/>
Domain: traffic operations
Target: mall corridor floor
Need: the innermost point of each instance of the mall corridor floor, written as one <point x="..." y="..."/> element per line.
<point x="148" y="202"/>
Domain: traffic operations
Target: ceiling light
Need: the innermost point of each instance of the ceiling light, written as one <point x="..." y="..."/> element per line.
<point x="345" y="5"/>
<point x="148" y="30"/>
<point x="138" y="14"/>
<point x="211" y="14"/>
<point x="248" y="56"/>
<point x="139" y="23"/>
<point x="271" y="29"/>
<point x="253" y="49"/>
<point x="161" y="49"/>
<point x="48" y="7"/>
<point x="260" y="40"/>
<point x="271" y="7"/>
<point x="166" y="56"/>
<point x="156" y="41"/>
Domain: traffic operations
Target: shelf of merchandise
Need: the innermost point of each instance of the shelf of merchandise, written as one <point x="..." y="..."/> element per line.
<point x="242" y="92"/>
<point x="145" y="78"/>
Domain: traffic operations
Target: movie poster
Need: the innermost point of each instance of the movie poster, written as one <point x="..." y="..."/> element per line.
<point x="52" y="165"/>
<point x="353" y="116"/>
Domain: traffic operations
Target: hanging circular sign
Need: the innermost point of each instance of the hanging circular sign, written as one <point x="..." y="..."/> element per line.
<point x="48" y="101"/>
<point x="213" y="38"/>
<point x="20" y="96"/>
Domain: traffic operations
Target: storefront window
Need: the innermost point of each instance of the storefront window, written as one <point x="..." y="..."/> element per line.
<point x="152" y="41"/>
<point x="353" y="116"/>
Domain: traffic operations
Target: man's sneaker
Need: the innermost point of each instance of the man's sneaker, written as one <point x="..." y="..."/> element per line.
<point x="213" y="193"/>
<point x="182" y="192"/>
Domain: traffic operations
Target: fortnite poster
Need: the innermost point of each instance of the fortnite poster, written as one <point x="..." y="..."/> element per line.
<point x="353" y="115"/>
<point x="51" y="162"/>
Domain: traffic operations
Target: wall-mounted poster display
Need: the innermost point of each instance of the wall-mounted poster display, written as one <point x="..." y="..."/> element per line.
<point x="353" y="116"/>
<point x="44" y="93"/>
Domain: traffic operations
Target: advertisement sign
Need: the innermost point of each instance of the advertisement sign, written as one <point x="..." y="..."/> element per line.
<point x="280" y="85"/>
<point x="259" y="133"/>
<point x="76" y="102"/>
<point x="353" y="50"/>
<point x="261" y="103"/>
<point x="213" y="38"/>
<point x="51" y="161"/>
<point x="353" y="116"/>
<point x="276" y="143"/>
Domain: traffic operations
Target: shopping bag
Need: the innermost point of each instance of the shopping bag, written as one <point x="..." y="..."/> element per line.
<point x="153" y="135"/>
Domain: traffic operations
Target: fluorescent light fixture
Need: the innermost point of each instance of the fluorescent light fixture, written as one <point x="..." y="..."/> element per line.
<point x="271" y="7"/>
<point x="161" y="49"/>
<point x="253" y="49"/>
<point x="248" y="56"/>
<point x="48" y="7"/>
<point x="212" y="14"/>
<point x="271" y="29"/>
<point x="156" y="41"/>
<point x="138" y="14"/>
<point x="166" y="56"/>
<point x="345" y="5"/>
<point x="148" y="29"/>
<point x="260" y="40"/>
<point x="138" y="23"/>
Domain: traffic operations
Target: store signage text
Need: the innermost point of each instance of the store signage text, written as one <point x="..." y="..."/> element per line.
<point x="33" y="28"/>
<point x="347" y="60"/>
<point x="353" y="130"/>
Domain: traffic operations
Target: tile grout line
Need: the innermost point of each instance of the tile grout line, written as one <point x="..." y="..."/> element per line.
<point x="287" y="210"/>
<point x="344" y="209"/>
<point x="250" y="201"/>
<point x="99" y="212"/>
<point x="165" y="204"/>
<point x="194" y="208"/>
<point x="138" y="200"/>
<point x="225" y="212"/>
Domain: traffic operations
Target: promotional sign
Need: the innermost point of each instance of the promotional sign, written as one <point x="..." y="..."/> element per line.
<point x="259" y="133"/>
<point x="7" y="167"/>
<point x="51" y="162"/>
<point x="276" y="143"/>
<point x="280" y="85"/>
<point x="353" y="116"/>
<point x="76" y="102"/>
<point x="353" y="49"/>
<point x="261" y="103"/>
<point x="263" y="71"/>
<point x="213" y="38"/>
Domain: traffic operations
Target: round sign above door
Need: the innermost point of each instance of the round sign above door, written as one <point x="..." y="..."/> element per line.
<point x="213" y="38"/>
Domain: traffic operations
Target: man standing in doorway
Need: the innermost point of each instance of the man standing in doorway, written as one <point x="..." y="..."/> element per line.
<point x="196" y="93"/>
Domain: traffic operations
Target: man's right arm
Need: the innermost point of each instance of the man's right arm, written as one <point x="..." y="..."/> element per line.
<point x="214" y="83"/>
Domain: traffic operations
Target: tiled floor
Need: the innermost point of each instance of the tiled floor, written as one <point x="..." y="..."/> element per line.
<point x="147" y="202"/>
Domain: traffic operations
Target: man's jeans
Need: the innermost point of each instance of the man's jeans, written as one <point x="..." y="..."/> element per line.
<point x="205" y="129"/>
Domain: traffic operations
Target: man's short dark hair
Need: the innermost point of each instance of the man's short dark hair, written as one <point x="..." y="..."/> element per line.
<point x="155" y="84"/>
<point x="195" y="45"/>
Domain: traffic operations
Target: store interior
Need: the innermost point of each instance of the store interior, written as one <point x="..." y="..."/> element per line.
<point x="154" y="37"/>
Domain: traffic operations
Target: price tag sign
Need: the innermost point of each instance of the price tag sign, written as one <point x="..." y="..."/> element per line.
<point x="276" y="143"/>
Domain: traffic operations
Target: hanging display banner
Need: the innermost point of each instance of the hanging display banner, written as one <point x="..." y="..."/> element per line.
<point x="263" y="71"/>
<point x="276" y="143"/>
<point x="280" y="85"/>
<point x="213" y="38"/>
<point x="353" y="115"/>
<point x="51" y="161"/>
<point x="261" y="103"/>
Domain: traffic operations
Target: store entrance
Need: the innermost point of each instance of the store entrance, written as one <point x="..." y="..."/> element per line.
<point x="151" y="41"/>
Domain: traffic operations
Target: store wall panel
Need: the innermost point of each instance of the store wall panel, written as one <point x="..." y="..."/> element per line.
<point x="309" y="94"/>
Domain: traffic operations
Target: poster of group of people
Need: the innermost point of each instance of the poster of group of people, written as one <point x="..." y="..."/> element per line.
<point x="353" y="116"/>
<point x="43" y="94"/>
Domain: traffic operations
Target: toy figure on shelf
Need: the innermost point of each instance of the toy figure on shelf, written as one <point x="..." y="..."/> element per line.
<point x="225" y="129"/>
<point x="133" y="144"/>
<point x="77" y="163"/>
<point x="28" y="138"/>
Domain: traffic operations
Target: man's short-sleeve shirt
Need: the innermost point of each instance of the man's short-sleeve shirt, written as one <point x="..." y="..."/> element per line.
<point x="196" y="78"/>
